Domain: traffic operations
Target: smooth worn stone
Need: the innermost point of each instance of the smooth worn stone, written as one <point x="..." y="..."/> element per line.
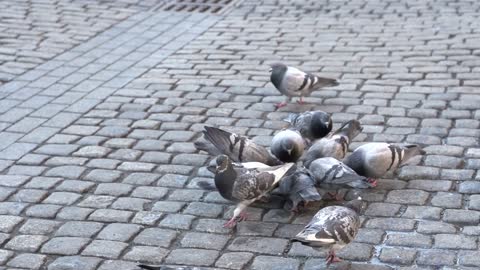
<point x="408" y="240"/>
<point x="436" y="257"/>
<point x="422" y="212"/>
<point x="204" y="240"/>
<point x="434" y="227"/>
<point x="155" y="237"/>
<point x="149" y="254"/>
<point x="407" y="196"/>
<point x="454" y="241"/>
<point x="79" y="229"/>
<point x="27" y="260"/>
<point x="74" y="262"/>
<point x="273" y="246"/>
<point x="234" y="260"/>
<point x="397" y="255"/>
<point x="103" y="248"/>
<point x="197" y="257"/>
<point x="270" y="262"/>
<point x="463" y="217"/>
<point x="64" y="245"/>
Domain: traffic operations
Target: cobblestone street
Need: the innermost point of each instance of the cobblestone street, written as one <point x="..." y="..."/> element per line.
<point x="101" y="101"/>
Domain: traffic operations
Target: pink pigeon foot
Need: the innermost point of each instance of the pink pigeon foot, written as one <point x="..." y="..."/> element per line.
<point x="300" y="101"/>
<point x="372" y="181"/>
<point x="234" y="220"/>
<point x="332" y="258"/>
<point x="280" y="105"/>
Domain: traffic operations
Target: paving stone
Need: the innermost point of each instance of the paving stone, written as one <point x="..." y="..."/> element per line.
<point x="39" y="226"/>
<point x="75" y="186"/>
<point x="43" y="210"/>
<point x="64" y="245"/>
<point x="113" y="264"/>
<point x="102" y="248"/>
<point x="68" y="172"/>
<point x="100" y="175"/>
<point x="113" y="189"/>
<point x="155" y="237"/>
<point x="12" y="208"/>
<point x="469" y="258"/>
<point x="252" y="228"/>
<point x="465" y="217"/>
<point x="79" y="229"/>
<point x="234" y="260"/>
<point x="394" y="224"/>
<point x="397" y="255"/>
<point x="271" y="246"/>
<point x="454" y="241"/>
<point x="147" y="254"/>
<point x="119" y="232"/>
<point x="408" y="240"/>
<point x="63" y="198"/>
<point x="269" y="262"/>
<point x="5" y="255"/>
<point x="407" y="196"/>
<point x="27" y="260"/>
<point x="8" y="223"/>
<point x="134" y="204"/>
<point x="204" y="240"/>
<point x="436" y="257"/>
<point x="30" y="195"/>
<point x="74" y="262"/>
<point x="29" y="243"/>
<point x="110" y="215"/>
<point x="74" y="213"/>
<point x="197" y="257"/>
<point x="177" y="221"/>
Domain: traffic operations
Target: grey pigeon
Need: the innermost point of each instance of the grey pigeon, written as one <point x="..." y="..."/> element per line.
<point x="293" y="82"/>
<point x="312" y="124"/>
<point x="243" y="185"/>
<point x="330" y="171"/>
<point x="287" y="145"/>
<point x="332" y="228"/>
<point x="376" y="159"/>
<point x="237" y="148"/>
<point x="299" y="188"/>
<point x="335" y="144"/>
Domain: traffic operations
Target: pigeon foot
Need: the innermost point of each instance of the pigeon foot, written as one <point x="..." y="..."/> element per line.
<point x="280" y="105"/>
<point x="300" y="101"/>
<point x="234" y="220"/>
<point x="372" y="181"/>
<point x="332" y="258"/>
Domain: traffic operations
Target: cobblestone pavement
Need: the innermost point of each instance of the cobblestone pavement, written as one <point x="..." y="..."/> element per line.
<point x="98" y="165"/>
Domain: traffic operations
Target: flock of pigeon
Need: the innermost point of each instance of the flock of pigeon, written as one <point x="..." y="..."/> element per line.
<point x="303" y="157"/>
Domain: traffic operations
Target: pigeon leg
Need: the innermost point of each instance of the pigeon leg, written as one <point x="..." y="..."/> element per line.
<point x="332" y="258"/>
<point x="281" y="104"/>
<point x="372" y="181"/>
<point x="300" y="101"/>
<point x="239" y="214"/>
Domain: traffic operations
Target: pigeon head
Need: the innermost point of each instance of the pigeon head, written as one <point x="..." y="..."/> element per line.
<point x="411" y="150"/>
<point x="222" y="163"/>
<point x="355" y="204"/>
<point x="278" y="67"/>
<point x="321" y="124"/>
<point x="288" y="146"/>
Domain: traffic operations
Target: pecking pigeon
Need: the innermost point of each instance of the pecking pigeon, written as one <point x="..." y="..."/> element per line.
<point x="330" y="171"/>
<point x="243" y="185"/>
<point x="376" y="159"/>
<point x="299" y="188"/>
<point x="312" y="124"/>
<point x="291" y="81"/>
<point x="332" y="228"/>
<point x="287" y="145"/>
<point x="335" y="144"/>
<point x="237" y="148"/>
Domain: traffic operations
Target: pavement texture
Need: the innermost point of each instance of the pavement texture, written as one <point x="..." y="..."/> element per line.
<point x="101" y="102"/>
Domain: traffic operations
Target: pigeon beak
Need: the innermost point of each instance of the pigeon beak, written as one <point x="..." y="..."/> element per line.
<point x="289" y="151"/>
<point x="270" y="70"/>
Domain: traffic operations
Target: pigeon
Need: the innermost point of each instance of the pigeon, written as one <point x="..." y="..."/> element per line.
<point x="243" y="185"/>
<point x="312" y="125"/>
<point x="375" y="159"/>
<point x="237" y="148"/>
<point x="335" y="144"/>
<point x="291" y="81"/>
<point x="330" y="171"/>
<point x="300" y="189"/>
<point x="287" y="145"/>
<point x="332" y="228"/>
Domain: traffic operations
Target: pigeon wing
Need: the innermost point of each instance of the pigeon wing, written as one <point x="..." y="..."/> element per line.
<point x="252" y="185"/>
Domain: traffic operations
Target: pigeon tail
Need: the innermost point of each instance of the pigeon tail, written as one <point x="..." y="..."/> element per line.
<point x="350" y="129"/>
<point x="207" y="147"/>
<point x="291" y="118"/>
<point x="324" y="82"/>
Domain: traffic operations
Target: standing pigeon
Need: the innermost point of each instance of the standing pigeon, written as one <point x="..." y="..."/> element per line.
<point x="300" y="188"/>
<point x="335" y="144"/>
<point x="237" y="148"/>
<point x="376" y="159"/>
<point x="330" y="171"/>
<point x="288" y="145"/>
<point x="332" y="228"/>
<point x="291" y="82"/>
<point x="312" y="124"/>
<point x="245" y="185"/>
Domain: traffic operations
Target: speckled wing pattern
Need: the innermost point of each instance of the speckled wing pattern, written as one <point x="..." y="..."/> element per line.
<point x="331" y="225"/>
<point x="252" y="185"/>
<point x="238" y="148"/>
